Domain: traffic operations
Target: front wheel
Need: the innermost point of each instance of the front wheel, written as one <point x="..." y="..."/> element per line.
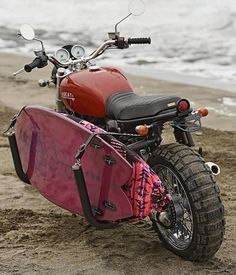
<point x="196" y="210"/>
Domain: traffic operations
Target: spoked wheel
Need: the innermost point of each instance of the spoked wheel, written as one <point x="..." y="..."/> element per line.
<point x="196" y="212"/>
<point x="180" y="234"/>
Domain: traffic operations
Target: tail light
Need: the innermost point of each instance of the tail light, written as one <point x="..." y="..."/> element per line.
<point x="183" y="105"/>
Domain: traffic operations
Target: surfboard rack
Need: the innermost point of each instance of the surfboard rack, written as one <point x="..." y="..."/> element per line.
<point x="84" y="198"/>
<point x="9" y="133"/>
<point x="82" y="189"/>
<point x="16" y="159"/>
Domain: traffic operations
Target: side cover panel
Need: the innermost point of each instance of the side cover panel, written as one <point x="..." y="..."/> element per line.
<point x="48" y="142"/>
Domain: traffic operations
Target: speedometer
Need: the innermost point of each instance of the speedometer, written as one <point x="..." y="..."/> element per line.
<point x="62" y="55"/>
<point x="78" y="51"/>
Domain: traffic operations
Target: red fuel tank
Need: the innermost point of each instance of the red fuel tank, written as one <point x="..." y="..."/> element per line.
<point x="86" y="92"/>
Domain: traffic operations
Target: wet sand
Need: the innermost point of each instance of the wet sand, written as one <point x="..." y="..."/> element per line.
<point x="37" y="237"/>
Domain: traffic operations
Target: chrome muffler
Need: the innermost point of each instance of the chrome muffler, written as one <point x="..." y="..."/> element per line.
<point x="214" y="168"/>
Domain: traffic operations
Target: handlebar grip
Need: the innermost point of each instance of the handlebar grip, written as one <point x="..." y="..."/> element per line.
<point x="145" y="40"/>
<point x="29" y="67"/>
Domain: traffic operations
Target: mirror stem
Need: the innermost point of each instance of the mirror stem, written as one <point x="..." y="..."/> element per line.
<point x="36" y="39"/>
<point x="120" y="22"/>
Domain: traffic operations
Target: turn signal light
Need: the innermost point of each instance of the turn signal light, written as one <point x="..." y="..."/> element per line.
<point x="183" y="105"/>
<point x="142" y="130"/>
<point x="203" y="112"/>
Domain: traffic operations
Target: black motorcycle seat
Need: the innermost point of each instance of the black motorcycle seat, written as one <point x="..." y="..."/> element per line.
<point x="126" y="105"/>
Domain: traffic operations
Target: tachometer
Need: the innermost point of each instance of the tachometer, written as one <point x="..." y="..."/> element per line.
<point x="78" y="51"/>
<point x="62" y="55"/>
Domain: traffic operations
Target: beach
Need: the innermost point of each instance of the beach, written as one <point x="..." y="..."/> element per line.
<point x="37" y="237"/>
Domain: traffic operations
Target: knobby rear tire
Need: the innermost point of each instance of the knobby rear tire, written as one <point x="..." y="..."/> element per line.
<point x="203" y="196"/>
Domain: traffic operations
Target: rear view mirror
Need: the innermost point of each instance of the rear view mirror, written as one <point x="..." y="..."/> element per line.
<point x="27" y="32"/>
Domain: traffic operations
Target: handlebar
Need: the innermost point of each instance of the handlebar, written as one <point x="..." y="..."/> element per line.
<point x="145" y="40"/>
<point x="39" y="62"/>
<point x="29" y="67"/>
<point x="102" y="47"/>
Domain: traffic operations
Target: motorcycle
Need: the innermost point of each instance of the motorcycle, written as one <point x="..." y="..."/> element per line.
<point x="100" y="153"/>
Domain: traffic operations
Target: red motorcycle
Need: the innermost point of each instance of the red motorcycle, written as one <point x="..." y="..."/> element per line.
<point x="100" y="154"/>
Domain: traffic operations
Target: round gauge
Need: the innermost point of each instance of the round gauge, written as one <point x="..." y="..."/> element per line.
<point x="78" y="51"/>
<point x="62" y="55"/>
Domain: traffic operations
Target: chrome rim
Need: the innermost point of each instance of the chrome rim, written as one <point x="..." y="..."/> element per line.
<point x="181" y="233"/>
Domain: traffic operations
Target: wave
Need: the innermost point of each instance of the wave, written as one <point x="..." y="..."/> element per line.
<point x="189" y="37"/>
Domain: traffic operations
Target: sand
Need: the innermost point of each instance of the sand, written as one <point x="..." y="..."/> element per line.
<point x="37" y="237"/>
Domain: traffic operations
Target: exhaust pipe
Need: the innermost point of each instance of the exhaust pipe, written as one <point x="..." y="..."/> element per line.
<point x="214" y="168"/>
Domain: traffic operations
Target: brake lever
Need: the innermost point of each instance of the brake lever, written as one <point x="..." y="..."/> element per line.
<point x="18" y="72"/>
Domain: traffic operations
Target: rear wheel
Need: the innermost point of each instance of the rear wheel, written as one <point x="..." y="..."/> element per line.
<point x="196" y="211"/>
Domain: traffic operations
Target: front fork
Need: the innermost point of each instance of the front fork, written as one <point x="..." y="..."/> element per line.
<point x="60" y="107"/>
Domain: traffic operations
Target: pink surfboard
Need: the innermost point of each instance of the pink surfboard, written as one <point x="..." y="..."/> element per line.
<point x="48" y="142"/>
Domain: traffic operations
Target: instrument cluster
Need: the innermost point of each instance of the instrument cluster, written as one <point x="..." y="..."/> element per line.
<point x="68" y="52"/>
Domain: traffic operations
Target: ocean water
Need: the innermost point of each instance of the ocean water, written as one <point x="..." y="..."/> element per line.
<point x="190" y="39"/>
